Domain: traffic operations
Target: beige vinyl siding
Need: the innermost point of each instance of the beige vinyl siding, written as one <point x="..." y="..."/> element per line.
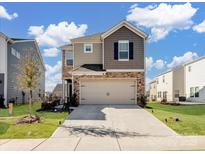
<point x="178" y="81"/>
<point x="138" y="50"/>
<point x="81" y="58"/>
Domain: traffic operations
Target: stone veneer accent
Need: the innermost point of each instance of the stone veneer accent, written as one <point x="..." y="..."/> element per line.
<point x="139" y="76"/>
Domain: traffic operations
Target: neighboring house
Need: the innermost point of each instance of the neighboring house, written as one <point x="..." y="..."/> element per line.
<point x="153" y="90"/>
<point x="170" y="84"/>
<point x="12" y="50"/>
<point x="106" y="68"/>
<point x="58" y="90"/>
<point x="195" y="80"/>
<point x="186" y="81"/>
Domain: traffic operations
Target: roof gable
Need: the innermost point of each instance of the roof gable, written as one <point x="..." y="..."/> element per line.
<point x="6" y="37"/>
<point x="89" y="38"/>
<point x="127" y="25"/>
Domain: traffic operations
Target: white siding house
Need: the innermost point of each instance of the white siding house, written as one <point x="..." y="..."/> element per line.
<point x="3" y="64"/>
<point x="170" y="85"/>
<point x="165" y="86"/>
<point x="153" y="90"/>
<point x="195" y="80"/>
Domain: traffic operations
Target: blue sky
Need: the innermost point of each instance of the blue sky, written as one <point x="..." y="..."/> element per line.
<point x="175" y="29"/>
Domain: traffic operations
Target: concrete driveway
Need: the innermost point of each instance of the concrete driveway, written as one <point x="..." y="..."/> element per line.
<point x="111" y="121"/>
<point x="106" y="127"/>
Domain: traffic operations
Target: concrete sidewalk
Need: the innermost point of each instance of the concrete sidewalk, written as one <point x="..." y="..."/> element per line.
<point x="105" y="144"/>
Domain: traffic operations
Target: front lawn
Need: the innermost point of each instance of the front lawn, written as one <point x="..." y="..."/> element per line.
<point x="191" y="117"/>
<point x="49" y="123"/>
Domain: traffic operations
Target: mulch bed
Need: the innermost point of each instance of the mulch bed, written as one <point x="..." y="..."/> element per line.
<point x="29" y="120"/>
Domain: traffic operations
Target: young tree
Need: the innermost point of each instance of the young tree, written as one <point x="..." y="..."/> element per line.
<point x="29" y="74"/>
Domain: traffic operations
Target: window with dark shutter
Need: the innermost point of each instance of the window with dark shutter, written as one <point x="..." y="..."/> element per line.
<point x="131" y="53"/>
<point x="116" y="50"/>
<point x="123" y="50"/>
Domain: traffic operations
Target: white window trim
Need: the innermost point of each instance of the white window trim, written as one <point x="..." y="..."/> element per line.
<point x="123" y="41"/>
<point x="88" y="44"/>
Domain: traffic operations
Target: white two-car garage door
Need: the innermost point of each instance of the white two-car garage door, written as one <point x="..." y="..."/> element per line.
<point x="110" y="91"/>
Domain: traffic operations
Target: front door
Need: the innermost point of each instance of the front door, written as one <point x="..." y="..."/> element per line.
<point x="1" y="84"/>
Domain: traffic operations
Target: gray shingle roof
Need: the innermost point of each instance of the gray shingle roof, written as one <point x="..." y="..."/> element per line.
<point x="94" y="37"/>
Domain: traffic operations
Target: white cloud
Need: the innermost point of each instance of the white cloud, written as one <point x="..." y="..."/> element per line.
<point x="36" y="30"/>
<point x="53" y="69"/>
<point x="148" y="80"/>
<point x="53" y="75"/>
<point x="187" y="57"/>
<point x="57" y="34"/>
<point x="200" y="28"/>
<point x="52" y="37"/>
<point x="158" y="64"/>
<point x="4" y="14"/>
<point x="162" y="18"/>
<point x="149" y="63"/>
<point x="51" y="52"/>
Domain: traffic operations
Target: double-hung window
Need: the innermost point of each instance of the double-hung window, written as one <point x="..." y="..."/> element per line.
<point x="192" y="92"/>
<point x="15" y="53"/>
<point x="68" y="58"/>
<point x="123" y="50"/>
<point x="88" y="48"/>
<point x="196" y="91"/>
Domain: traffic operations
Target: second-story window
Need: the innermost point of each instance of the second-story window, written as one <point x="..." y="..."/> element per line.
<point x="189" y="68"/>
<point x="15" y="53"/>
<point x="163" y="79"/>
<point x="123" y="52"/>
<point x="88" y="48"/>
<point x="68" y="58"/>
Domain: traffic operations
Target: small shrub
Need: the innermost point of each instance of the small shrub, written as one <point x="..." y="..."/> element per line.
<point x="182" y="99"/>
<point x="2" y="102"/>
<point x="73" y="100"/>
<point x="142" y="101"/>
<point x="164" y="101"/>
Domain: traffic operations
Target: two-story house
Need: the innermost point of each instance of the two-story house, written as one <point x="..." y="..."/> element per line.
<point x="11" y="52"/>
<point x="170" y="84"/>
<point x="106" y="68"/>
<point x="194" y="80"/>
<point x="153" y="90"/>
<point x="186" y="82"/>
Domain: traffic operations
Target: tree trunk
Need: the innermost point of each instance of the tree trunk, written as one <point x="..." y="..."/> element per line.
<point x="30" y="103"/>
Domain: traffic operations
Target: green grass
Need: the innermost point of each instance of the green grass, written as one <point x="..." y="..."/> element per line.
<point x="49" y="122"/>
<point x="191" y="117"/>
